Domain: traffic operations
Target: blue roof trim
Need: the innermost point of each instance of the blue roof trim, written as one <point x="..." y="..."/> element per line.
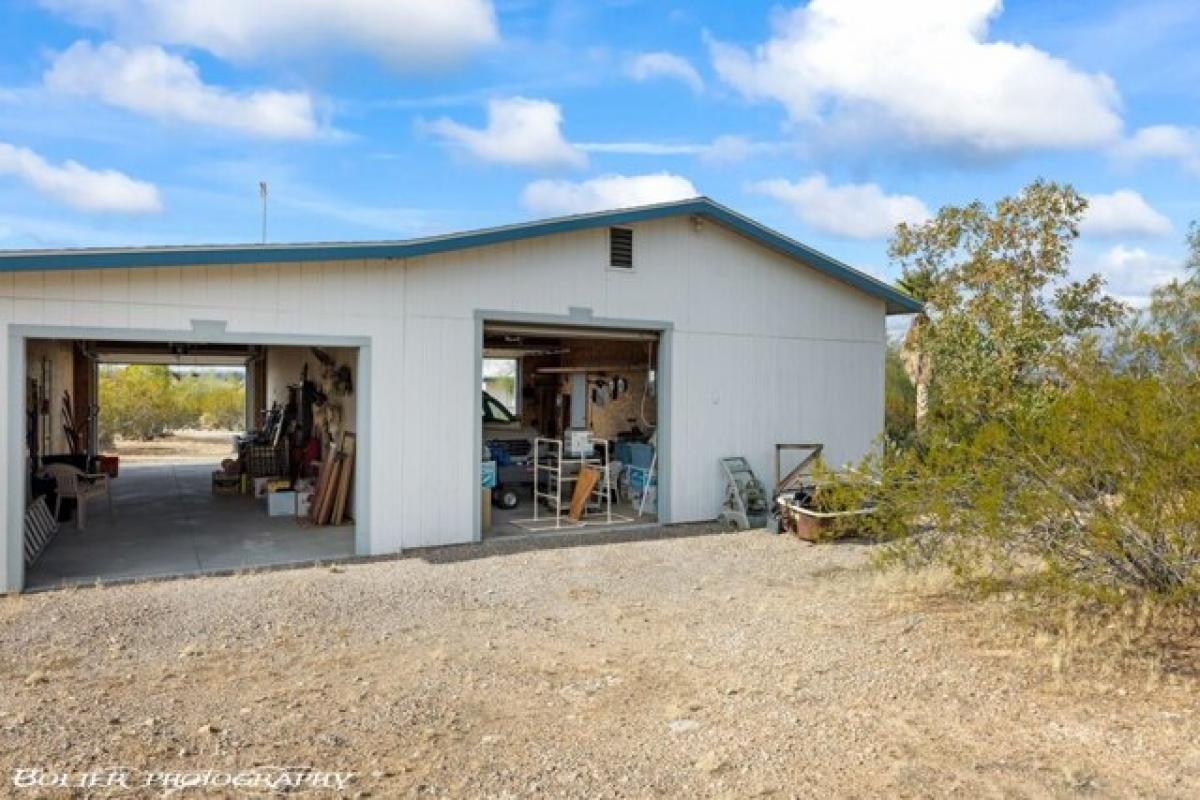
<point x="123" y="258"/>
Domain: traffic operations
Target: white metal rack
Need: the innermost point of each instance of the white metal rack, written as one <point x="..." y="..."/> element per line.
<point x="560" y="471"/>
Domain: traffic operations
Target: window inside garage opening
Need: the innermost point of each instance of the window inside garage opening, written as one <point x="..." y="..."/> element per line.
<point x="500" y="382"/>
<point x="578" y="447"/>
<point x="168" y="458"/>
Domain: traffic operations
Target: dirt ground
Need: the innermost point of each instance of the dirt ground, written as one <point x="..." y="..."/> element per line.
<point x="185" y="445"/>
<point x="683" y="663"/>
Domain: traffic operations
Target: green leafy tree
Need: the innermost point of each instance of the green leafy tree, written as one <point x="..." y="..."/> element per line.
<point x="1063" y="431"/>
<point x="999" y="308"/>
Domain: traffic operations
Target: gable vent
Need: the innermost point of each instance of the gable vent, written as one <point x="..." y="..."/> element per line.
<point x="620" y="247"/>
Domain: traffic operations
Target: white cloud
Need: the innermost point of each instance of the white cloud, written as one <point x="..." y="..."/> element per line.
<point x="852" y="210"/>
<point x="1123" y="212"/>
<point x="519" y="131"/>
<point x="1172" y="142"/>
<point x="1130" y="273"/>
<point x="923" y="68"/>
<point x="77" y="186"/>
<point x="731" y="148"/>
<point x="605" y="192"/>
<point x="665" y="65"/>
<point x="725" y="149"/>
<point x="405" y="33"/>
<point x="148" y="80"/>
<point x="644" y="148"/>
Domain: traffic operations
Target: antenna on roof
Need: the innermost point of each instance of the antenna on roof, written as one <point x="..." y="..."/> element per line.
<point x="262" y="192"/>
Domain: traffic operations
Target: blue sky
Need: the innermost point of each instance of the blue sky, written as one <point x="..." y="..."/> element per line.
<point x="152" y="121"/>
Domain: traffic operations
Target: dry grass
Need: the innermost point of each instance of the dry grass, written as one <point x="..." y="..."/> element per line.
<point x="1137" y="646"/>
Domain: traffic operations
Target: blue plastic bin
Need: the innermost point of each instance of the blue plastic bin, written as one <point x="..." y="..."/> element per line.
<point x="487" y="474"/>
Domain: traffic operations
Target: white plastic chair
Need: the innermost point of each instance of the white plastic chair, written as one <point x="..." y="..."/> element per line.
<point x="73" y="483"/>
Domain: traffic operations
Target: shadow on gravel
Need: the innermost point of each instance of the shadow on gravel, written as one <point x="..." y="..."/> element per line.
<point x="515" y="545"/>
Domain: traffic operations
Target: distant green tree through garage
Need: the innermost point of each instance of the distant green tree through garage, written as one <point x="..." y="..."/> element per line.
<point x="148" y="401"/>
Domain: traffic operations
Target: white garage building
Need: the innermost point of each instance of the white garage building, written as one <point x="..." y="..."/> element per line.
<point x="748" y="338"/>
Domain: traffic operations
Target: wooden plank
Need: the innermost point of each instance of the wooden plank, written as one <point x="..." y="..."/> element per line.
<point x="344" y="479"/>
<point x="588" y="478"/>
<point x="326" y="509"/>
<point x="322" y="484"/>
<point x="327" y="470"/>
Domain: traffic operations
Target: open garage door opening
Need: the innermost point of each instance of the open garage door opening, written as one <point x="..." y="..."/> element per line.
<point x="153" y="459"/>
<point x="569" y="429"/>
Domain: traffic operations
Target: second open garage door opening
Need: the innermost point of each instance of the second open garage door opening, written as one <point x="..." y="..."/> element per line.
<point x="166" y="458"/>
<point x="569" y="428"/>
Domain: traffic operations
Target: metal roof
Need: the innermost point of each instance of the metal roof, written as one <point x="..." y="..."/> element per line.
<point x="897" y="301"/>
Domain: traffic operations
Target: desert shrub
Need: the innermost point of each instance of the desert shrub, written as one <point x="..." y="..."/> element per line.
<point x="144" y="401"/>
<point x="1063" y="432"/>
<point x="900" y="399"/>
<point x="136" y="402"/>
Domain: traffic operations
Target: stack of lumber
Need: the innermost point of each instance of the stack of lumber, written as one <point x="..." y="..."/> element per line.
<point x="330" y="498"/>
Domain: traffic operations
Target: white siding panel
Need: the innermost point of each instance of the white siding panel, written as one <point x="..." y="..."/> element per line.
<point x="259" y="286"/>
<point x="357" y="293"/>
<point x="740" y="396"/>
<point x="168" y="285"/>
<point x="311" y="286"/>
<point x="193" y="286"/>
<point x="31" y="284"/>
<point x="59" y="285"/>
<point x="114" y="315"/>
<point x="333" y="289"/>
<point x="437" y="439"/>
<point x="27" y="311"/>
<point x="58" y="312"/>
<point x="143" y="286"/>
<point x="566" y="271"/>
<point x="114" y="285"/>
<point x="142" y="316"/>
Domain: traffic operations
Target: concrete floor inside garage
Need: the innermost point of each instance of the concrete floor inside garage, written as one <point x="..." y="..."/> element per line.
<point x="167" y="522"/>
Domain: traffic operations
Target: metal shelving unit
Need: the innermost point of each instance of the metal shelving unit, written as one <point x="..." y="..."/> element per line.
<point x="558" y="471"/>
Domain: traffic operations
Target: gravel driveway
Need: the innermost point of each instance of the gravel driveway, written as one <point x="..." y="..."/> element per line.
<point x="685" y="664"/>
